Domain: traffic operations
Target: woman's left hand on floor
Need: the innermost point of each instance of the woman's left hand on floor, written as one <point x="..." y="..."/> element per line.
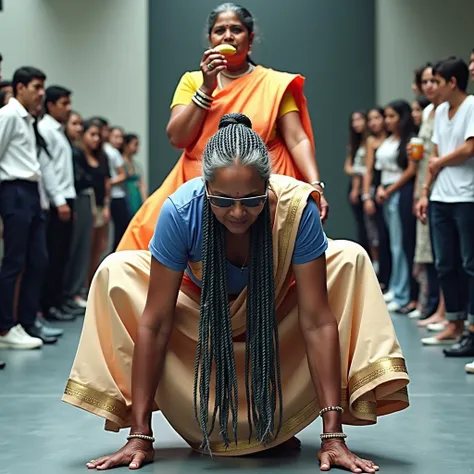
<point x="335" y="453"/>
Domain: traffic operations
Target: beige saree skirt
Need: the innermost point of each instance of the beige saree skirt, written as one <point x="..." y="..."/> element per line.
<point x="374" y="374"/>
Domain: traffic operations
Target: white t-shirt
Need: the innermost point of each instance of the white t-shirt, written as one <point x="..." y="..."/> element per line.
<point x="386" y="158"/>
<point x="358" y="167"/>
<point x="117" y="191"/>
<point x="426" y="112"/>
<point x="454" y="183"/>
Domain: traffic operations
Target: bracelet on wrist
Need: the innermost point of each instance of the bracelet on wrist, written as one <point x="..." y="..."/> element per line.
<point x="140" y="436"/>
<point x="326" y="436"/>
<point x="366" y="197"/>
<point x="201" y="99"/>
<point x="321" y="184"/>
<point x="204" y="95"/>
<point x="331" y="408"/>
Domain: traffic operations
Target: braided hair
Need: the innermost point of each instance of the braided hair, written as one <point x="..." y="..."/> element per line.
<point x="236" y="141"/>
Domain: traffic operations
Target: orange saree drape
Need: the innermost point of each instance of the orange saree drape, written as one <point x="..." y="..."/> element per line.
<point x="257" y="95"/>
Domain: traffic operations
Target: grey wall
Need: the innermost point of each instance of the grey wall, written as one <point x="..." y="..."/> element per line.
<point x="330" y="42"/>
<point x="411" y="33"/>
<point x="98" y="49"/>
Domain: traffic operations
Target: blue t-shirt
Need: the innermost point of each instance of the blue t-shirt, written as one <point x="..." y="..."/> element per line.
<point x="178" y="235"/>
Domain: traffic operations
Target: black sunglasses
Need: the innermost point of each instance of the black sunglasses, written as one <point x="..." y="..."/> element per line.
<point x="221" y="201"/>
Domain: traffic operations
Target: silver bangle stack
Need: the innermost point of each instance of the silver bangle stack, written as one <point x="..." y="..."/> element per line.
<point x="335" y="408"/>
<point x="326" y="436"/>
<point x="140" y="436"/>
<point x="202" y="100"/>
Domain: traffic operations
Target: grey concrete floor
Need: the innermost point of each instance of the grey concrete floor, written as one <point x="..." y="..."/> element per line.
<point x="41" y="435"/>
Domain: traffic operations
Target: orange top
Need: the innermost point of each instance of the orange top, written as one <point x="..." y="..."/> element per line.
<point x="259" y="96"/>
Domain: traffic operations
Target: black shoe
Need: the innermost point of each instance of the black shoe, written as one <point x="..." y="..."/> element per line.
<point x="48" y="330"/>
<point x="35" y="331"/>
<point x="55" y="314"/>
<point x="463" y="348"/>
<point x="2" y="364"/>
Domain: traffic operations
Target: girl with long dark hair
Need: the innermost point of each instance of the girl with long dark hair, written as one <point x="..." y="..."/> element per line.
<point x="355" y="168"/>
<point x="370" y="182"/>
<point x="395" y="192"/>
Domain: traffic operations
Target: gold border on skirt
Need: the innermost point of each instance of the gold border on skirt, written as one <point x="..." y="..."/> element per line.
<point x="359" y="412"/>
<point x="96" y="399"/>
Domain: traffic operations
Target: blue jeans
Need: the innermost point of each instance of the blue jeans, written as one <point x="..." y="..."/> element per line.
<point x="400" y="277"/>
<point x="453" y="239"/>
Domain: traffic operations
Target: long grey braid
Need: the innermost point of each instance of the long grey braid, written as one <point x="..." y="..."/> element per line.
<point x="236" y="140"/>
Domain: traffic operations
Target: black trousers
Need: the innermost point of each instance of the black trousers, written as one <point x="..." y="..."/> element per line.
<point x="59" y="239"/>
<point x="409" y="233"/>
<point x="358" y="211"/>
<point x="24" y="238"/>
<point x="121" y="216"/>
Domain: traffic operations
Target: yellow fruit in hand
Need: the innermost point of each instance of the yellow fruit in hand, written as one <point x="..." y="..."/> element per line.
<point x="226" y="49"/>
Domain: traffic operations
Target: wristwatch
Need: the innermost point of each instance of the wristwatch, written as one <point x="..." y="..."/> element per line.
<point x="321" y="184"/>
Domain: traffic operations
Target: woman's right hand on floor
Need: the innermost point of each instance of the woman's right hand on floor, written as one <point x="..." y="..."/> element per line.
<point x="212" y="63"/>
<point x="134" y="454"/>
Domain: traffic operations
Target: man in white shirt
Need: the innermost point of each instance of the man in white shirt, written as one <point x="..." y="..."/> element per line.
<point x="58" y="179"/>
<point x="119" y="208"/>
<point x="20" y="210"/>
<point x="451" y="170"/>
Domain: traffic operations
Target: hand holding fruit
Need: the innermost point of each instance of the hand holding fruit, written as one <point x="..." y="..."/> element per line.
<point x="212" y="63"/>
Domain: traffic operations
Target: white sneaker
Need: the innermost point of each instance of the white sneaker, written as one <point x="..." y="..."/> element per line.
<point x="469" y="368"/>
<point x="436" y="327"/>
<point x="17" y="338"/>
<point x="415" y="314"/>
<point x="388" y="296"/>
<point x="433" y="341"/>
<point x="393" y="306"/>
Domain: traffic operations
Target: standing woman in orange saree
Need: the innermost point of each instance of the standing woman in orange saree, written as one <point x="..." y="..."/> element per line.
<point x="273" y="100"/>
